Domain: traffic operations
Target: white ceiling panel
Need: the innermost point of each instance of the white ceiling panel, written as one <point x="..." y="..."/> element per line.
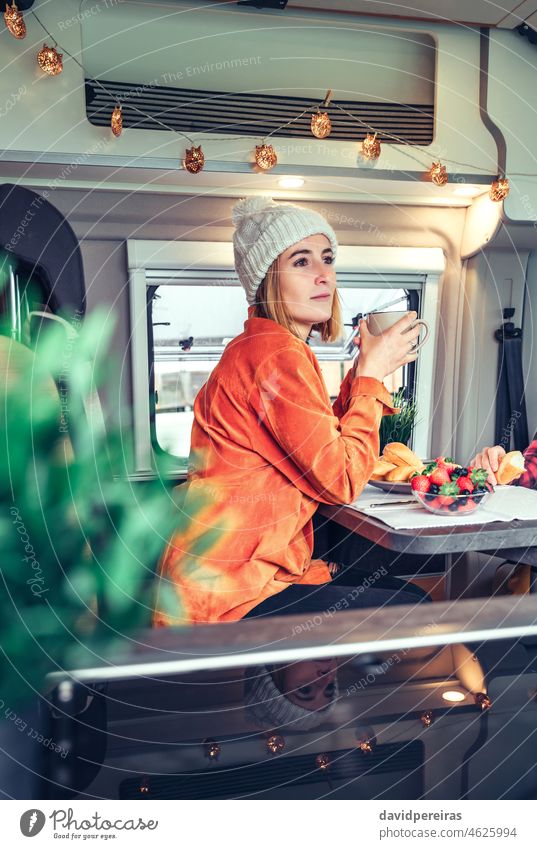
<point x="504" y="13"/>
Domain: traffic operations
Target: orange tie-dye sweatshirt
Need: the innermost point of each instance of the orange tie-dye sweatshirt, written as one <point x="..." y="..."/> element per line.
<point x="266" y="448"/>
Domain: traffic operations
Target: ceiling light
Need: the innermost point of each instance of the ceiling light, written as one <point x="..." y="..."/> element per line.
<point x="469" y="191"/>
<point x="291" y="182"/>
<point x="453" y="696"/>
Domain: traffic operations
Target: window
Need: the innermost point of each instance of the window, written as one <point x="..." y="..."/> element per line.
<point x="186" y="305"/>
<point x="192" y="320"/>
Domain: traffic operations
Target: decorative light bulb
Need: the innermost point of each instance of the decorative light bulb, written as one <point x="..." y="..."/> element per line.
<point x="194" y="160"/>
<point x="482" y="701"/>
<point x="321" y="125"/>
<point x="438" y="174"/>
<point x="265" y="156"/>
<point x="211" y="749"/>
<point x="275" y="744"/>
<point x="14" y="21"/>
<point x="371" y="147"/>
<point x="499" y="189"/>
<point x="427" y="718"/>
<point x="116" y="121"/>
<point x="50" y="61"/>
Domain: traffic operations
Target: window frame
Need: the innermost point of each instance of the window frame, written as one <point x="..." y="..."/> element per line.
<point x="405" y="267"/>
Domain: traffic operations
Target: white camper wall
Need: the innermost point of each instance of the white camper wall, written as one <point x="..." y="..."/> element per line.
<point x="494" y="280"/>
<point x="48" y="119"/>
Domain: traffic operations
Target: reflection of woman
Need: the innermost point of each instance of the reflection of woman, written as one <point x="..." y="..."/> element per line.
<point x="301" y="694"/>
<point x="267" y="446"/>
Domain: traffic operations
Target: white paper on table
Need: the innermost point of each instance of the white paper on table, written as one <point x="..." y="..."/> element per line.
<point x="504" y="505"/>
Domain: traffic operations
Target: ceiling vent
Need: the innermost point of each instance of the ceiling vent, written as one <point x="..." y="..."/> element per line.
<point x="250" y="114"/>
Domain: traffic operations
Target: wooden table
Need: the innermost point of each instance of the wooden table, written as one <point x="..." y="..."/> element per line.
<point x="516" y="540"/>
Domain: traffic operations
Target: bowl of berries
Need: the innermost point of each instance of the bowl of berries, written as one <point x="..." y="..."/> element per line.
<point x="446" y="488"/>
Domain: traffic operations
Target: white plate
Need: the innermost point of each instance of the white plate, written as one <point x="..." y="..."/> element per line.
<point x="396" y="488"/>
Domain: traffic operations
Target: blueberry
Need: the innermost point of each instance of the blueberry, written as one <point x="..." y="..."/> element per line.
<point x="463" y="472"/>
<point x="463" y="501"/>
<point x="454" y="507"/>
<point x="434" y="489"/>
<point x="465" y="492"/>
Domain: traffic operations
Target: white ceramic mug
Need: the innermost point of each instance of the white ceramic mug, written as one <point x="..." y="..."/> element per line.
<point x="378" y="322"/>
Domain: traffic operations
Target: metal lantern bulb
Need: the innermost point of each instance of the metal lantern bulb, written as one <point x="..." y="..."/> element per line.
<point x="427" y="718"/>
<point x="321" y="125"/>
<point x="14" y="21"/>
<point x="50" y="61"/>
<point x="116" y="121"/>
<point x="499" y="189"/>
<point x="323" y="762"/>
<point x="371" y="147"/>
<point x="275" y="744"/>
<point x="211" y="749"/>
<point x="265" y="156"/>
<point x="438" y="174"/>
<point x="194" y="159"/>
<point x="482" y="701"/>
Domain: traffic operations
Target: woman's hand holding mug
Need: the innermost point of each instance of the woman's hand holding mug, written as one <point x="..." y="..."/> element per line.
<point x="385" y="346"/>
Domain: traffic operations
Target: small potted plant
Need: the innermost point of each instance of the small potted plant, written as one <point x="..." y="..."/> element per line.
<point x="399" y="426"/>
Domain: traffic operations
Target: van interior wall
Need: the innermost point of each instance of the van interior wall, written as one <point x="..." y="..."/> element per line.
<point x="103" y="221"/>
<point x="495" y="278"/>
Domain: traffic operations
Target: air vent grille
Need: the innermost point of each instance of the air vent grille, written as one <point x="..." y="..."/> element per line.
<point x="194" y="111"/>
<point x="283" y="772"/>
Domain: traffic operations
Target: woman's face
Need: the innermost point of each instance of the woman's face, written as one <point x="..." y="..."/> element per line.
<point x="311" y="684"/>
<point x="307" y="280"/>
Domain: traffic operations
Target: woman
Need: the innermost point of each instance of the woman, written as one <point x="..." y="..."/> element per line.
<point x="266" y="445"/>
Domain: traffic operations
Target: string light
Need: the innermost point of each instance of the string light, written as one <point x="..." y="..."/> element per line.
<point x="427" y="718"/>
<point x="321" y="125"/>
<point x="211" y="750"/>
<point x="275" y="744"/>
<point x="50" y="61"/>
<point x="323" y="762"/>
<point x="482" y="701"/>
<point x="371" y="147"/>
<point x="438" y="174"/>
<point x="194" y="160"/>
<point x="265" y="156"/>
<point x="14" y="21"/>
<point x="116" y="121"/>
<point x="499" y="189"/>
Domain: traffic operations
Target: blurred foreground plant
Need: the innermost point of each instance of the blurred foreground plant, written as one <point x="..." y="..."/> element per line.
<point x="78" y="541"/>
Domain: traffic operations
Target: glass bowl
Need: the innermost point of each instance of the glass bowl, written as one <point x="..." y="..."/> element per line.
<point x="452" y="505"/>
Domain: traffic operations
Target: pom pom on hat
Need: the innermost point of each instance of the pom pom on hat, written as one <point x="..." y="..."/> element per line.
<point x="264" y="230"/>
<point x="247" y="207"/>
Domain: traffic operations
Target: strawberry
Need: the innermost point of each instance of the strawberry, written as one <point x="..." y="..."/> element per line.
<point x="479" y="477"/>
<point x="447" y="493"/>
<point x="467" y="507"/>
<point x="465" y="483"/>
<point x="439" y="476"/>
<point x="420" y="483"/>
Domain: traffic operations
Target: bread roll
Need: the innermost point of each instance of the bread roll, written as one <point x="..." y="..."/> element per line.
<point x="400" y="474"/>
<point x="382" y="467"/>
<point x="511" y="467"/>
<point x="401" y="455"/>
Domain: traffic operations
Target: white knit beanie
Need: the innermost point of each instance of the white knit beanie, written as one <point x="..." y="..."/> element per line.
<point x="264" y="229"/>
<point x="268" y="708"/>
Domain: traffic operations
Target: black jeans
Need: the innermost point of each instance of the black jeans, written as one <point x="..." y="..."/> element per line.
<point x="351" y="589"/>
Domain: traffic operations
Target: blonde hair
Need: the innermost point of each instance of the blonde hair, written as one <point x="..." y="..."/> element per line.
<point x="269" y="303"/>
